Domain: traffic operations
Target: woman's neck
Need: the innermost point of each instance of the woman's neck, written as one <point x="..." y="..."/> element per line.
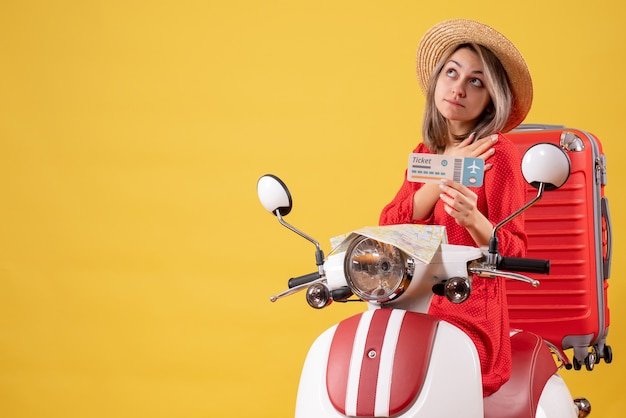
<point x="458" y="129"/>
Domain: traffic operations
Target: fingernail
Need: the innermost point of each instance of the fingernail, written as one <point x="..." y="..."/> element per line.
<point x="494" y="137"/>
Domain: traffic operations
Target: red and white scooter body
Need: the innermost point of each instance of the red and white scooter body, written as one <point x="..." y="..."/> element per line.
<point x="395" y="363"/>
<point x="394" y="360"/>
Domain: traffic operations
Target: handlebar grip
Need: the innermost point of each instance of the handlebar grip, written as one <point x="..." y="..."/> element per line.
<point x="524" y="265"/>
<point x="300" y="280"/>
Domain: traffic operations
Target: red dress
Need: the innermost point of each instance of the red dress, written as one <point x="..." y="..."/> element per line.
<point x="484" y="316"/>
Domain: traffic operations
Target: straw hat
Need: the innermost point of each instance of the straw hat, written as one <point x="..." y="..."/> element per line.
<point x="454" y="32"/>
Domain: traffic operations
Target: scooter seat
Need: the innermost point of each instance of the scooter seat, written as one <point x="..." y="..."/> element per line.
<point x="533" y="365"/>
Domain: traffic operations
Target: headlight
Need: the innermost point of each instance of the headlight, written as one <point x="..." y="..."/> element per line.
<point x="376" y="271"/>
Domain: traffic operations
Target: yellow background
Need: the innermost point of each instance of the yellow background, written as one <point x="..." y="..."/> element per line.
<point x="136" y="263"/>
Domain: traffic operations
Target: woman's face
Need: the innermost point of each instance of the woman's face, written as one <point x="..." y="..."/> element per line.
<point x="461" y="95"/>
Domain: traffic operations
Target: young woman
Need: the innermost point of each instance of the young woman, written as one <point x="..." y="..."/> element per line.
<point x="477" y="87"/>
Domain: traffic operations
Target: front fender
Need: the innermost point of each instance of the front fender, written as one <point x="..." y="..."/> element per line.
<point x="386" y="362"/>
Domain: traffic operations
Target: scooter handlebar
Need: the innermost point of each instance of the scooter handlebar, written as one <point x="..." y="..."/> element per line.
<point x="524" y="265"/>
<point x="300" y="280"/>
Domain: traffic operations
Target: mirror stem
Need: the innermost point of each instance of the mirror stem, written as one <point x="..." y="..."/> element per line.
<point x="319" y="254"/>
<point x="493" y="242"/>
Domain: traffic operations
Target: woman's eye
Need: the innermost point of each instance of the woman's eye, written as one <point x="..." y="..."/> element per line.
<point x="477" y="82"/>
<point x="451" y="72"/>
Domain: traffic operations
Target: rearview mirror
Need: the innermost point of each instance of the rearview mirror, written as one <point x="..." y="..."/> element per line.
<point x="274" y="195"/>
<point x="546" y="163"/>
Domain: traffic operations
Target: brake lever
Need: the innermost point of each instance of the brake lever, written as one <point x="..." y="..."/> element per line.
<point x="493" y="273"/>
<point x="295" y="289"/>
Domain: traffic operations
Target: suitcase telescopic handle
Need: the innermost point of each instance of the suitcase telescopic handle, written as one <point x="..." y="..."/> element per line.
<point x="606" y="215"/>
<point x="524" y="265"/>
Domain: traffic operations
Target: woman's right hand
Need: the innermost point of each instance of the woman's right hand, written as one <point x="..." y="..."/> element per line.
<point x="480" y="148"/>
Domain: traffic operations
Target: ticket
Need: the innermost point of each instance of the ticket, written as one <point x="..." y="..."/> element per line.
<point x="432" y="168"/>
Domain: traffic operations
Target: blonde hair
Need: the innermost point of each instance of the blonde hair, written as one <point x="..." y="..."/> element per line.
<point x="435" y="128"/>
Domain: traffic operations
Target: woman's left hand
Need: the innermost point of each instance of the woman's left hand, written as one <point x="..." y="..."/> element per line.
<point x="460" y="203"/>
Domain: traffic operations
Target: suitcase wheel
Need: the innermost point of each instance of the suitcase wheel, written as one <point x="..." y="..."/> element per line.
<point x="602" y="352"/>
<point x="593" y="357"/>
<point x="589" y="361"/>
<point x="607" y="354"/>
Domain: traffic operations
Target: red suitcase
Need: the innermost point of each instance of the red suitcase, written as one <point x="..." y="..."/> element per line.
<point x="571" y="227"/>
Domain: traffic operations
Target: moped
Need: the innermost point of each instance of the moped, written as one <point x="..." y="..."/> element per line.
<point x="395" y="360"/>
